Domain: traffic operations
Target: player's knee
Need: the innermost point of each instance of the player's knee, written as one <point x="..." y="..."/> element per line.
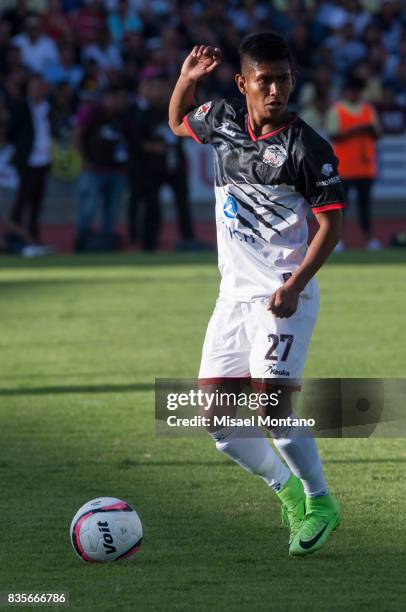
<point x="223" y="447"/>
<point x="225" y="440"/>
<point x="287" y="429"/>
<point x="281" y="431"/>
<point x="244" y="445"/>
<point x="222" y="437"/>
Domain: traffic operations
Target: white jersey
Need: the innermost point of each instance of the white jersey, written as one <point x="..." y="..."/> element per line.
<point x="264" y="188"/>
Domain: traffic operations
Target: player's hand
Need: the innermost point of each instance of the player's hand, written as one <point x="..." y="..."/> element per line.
<point x="283" y="303"/>
<point x="201" y="62"/>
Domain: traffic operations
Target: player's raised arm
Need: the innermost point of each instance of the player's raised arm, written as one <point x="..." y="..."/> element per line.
<point x="199" y="63"/>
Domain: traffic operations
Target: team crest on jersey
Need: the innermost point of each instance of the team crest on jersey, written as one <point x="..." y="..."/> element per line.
<point x="202" y="111"/>
<point x="275" y="155"/>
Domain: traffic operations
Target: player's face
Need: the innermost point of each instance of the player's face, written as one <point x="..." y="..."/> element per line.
<point x="267" y="87"/>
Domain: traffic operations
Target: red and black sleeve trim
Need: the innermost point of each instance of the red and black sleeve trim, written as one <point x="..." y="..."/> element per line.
<point x="189" y="129"/>
<point x="328" y="206"/>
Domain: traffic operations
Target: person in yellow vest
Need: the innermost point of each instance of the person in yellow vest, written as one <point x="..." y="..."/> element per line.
<point x="354" y="128"/>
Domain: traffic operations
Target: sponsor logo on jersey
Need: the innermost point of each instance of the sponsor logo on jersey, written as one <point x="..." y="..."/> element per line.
<point x="230" y="208"/>
<point x="330" y="181"/>
<point x="275" y="155"/>
<point x="202" y="111"/>
<point x="236" y="234"/>
<point x="272" y="369"/>
<point x="327" y="169"/>
<point x="224" y="128"/>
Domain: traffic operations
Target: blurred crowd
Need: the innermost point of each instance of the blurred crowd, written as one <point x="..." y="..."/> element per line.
<point x="84" y="88"/>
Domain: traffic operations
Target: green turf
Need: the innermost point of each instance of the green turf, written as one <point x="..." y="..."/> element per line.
<point x="82" y="340"/>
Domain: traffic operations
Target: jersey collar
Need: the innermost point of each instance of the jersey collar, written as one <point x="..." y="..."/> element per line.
<point x="269" y="134"/>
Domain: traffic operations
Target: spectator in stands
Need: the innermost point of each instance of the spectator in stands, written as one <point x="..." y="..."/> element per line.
<point x="17" y="16"/>
<point x="398" y="82"/>
<point x="346" y="49"/>
<point x="65" y="158"/>
<point x="318" y="84"/>
<point x="358" y="16"/>
<point x="136" y="162"/>
<point x="102" y="143"/>
<point x="373" y="81"/>
<point x="66" y="69"/>
<point x="165" y="164"/>
<point x="38" y="52"/>
<point x="123" y="20"/>
<point x="134" y="51"/>
<point x="299" y="42"/>
<point x="55" y="22"/>
<point x="354" y="128"/>
<point x="392" y="115"/>
<point x="5" y="38"/>
<point x="87" y="21"/>
<point x="14" y="87"/>
<point x="8" y="174"/>
<point x="103" y="51"/>
<point x="93" y="82"/>
<point x="71" y="6"/>
<point x="31" y="136"/>
<point x="13" y="61"/>
<point x="223" y="81"/>
<point x="388" y="19"/>
<point x="316" y="113"/>
<point x="14" y="238"/>
<point x="331" y="15"/>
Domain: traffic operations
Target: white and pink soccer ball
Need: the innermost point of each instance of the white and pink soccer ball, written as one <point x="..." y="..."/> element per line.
<point x="106" y="529"/>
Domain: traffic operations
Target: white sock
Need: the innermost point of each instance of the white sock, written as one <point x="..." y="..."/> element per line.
<point x="298" y="447"/>
<point x="249" y="447"/>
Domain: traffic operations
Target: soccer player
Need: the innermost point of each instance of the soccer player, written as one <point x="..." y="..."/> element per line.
<point x="270" y="168"/>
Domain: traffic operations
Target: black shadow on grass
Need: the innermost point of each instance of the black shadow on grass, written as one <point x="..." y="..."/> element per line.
<point x="23" y="285"/>
<point x="177" y="463"/>
<point x="134" y="463"/>
<point x="126" y="464"/>
<point x="110" y="259"/>
<point x="71" y="375"/>
<point x="67" y="389"/>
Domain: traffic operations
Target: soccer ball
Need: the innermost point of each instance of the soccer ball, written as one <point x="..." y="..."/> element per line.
<point x="106" y="529"/>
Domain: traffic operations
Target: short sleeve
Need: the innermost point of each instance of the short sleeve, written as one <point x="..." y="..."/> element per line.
<point x="321" y="184"/>
<point x="200" y="122"/>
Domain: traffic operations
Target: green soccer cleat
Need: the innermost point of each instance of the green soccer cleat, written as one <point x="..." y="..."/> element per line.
<point x="293" y="506"/>
<point x="321" y="518"/>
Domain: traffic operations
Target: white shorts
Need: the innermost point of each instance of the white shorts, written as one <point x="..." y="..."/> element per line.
<point x="245" y="340"/>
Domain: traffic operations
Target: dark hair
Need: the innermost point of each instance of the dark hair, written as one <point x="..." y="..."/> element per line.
<point x="265" y="47"/>
<point x="354" y="82"/>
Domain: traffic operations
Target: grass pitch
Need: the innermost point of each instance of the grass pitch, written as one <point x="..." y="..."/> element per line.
<point x="82" y="339"/>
